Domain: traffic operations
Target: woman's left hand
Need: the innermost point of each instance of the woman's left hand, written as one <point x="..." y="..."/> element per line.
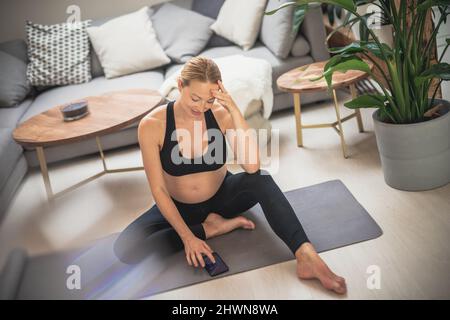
<point x="223" y="97"/>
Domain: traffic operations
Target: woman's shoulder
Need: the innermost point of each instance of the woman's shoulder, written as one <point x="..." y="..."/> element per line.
<point x="155" y="117"/>
<point x="154" y="123"/>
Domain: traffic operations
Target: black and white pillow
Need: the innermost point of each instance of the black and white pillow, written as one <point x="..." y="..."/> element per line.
<point x="58" y="54"/>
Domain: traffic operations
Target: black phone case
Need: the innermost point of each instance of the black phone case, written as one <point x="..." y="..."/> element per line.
<point x="217" y="268"/>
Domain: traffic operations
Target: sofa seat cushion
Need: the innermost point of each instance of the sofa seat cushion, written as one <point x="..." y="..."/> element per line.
<point x="279" y="66"/>
<point x="61" y="95"/>
<point x="10" y="153"/>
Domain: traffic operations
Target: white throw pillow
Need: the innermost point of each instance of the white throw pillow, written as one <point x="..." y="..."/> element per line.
<point x="128" y="44"/>
<point x="240" y="21"/>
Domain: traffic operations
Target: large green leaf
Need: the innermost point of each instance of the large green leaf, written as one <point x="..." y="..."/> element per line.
<point x="362" y="46"/>
<point x="346" y="4"/>
<point x="438" y="70"/>
<point x="375" y="49"/>
<point x="367" y="101"/>
<point x="299" y="16"/>
<point x="284" y="5"/>
<point x="354" y="64"/>
<point x="353" y="47"/>
<point x="342" y="63"/>
<point x="432" y="3"/>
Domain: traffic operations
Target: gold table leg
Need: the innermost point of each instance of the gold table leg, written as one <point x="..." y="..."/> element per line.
<point x="298" y="119"/>
<point x="44" y="170"/>
<point x="339" y="123"/>
<point x="99" y="145"/>
<point x="357" y="111"/>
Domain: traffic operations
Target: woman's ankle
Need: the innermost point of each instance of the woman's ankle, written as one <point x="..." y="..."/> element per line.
<point x="306" y="249"/>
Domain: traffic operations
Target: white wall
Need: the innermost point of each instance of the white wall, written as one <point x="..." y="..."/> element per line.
<point x="14" y="13"/>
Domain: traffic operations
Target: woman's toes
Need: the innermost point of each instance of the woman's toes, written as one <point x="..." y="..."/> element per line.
<point x="340" y="288"/>
<point x="247" y="223"/>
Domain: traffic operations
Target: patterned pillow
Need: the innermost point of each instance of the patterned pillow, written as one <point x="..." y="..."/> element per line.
<point x="58" y="54"/>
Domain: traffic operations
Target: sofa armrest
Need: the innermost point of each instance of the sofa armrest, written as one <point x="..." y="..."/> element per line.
<point x="314" y="31"/>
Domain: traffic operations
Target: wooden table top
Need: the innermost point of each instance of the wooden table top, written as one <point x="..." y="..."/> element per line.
<point x="299" y="79"/>
<point x="107" y="113"/>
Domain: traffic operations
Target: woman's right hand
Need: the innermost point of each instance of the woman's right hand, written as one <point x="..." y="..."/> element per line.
<point x="194" y="247"/>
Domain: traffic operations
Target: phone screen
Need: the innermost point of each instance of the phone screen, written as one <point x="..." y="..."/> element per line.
<point x="215" y="268"/>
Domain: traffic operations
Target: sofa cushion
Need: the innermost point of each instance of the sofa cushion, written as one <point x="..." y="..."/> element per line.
<point x="60" y="95"/>
<point x="211" y="8"/>
<point x="14" y="85"/>
<point x="240" y="21"/>
<point x="58" y="54"/>
<point x="279" y="66"/>
<point x="96" y="66"/>
<point x="128" y="44"/>
<point x="276" y="29"/>
<point x="10" y="153"/>
<point x="300" y="47"/>
<point x="182" y="33"/>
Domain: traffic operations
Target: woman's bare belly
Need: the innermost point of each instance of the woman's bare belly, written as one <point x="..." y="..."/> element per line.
<point x="196" y="187"/>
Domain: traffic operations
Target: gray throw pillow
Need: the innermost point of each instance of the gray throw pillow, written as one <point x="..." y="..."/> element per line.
<point x="276" y="30"/>
<point x="14" y="86"/>
<point x="182" y="33"/>
<point x="211" y="8"/>
<point x="58" y="54"/>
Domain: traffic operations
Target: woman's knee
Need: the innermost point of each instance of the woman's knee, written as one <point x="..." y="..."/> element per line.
<point x="259" y="179"/>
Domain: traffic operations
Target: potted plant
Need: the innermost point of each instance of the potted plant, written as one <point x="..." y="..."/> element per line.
<point x="412" y="128"/>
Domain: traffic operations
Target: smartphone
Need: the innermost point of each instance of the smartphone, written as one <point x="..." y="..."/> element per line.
<point x="215" y="268"/>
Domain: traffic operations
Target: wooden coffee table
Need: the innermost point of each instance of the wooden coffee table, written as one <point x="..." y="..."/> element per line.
<point x="108" y="113"/>
<point x="298" y="80"/>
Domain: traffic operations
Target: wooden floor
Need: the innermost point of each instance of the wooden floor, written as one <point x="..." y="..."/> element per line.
<point x="412" y="256"/>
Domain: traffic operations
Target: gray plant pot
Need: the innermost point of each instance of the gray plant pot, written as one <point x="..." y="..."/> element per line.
<point x="415" y="156"/>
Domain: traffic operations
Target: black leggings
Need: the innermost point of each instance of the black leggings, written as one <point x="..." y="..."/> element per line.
<point x="237" y="193"/>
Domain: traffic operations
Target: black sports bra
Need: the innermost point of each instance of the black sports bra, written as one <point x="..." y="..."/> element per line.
<point x="173" y="161"/>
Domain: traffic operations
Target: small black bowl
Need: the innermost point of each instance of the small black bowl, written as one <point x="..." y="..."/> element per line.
<point x="75" y="110"/>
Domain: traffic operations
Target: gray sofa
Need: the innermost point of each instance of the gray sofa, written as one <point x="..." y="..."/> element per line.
<point x="15" y="160"/>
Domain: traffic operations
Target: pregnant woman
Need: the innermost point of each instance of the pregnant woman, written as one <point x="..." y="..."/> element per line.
<point x="196" y="197"/>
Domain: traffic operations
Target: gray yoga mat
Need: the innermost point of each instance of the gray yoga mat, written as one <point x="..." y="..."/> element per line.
<point x="329" y="213"/>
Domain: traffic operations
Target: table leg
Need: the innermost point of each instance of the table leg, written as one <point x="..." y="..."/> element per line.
<point x="44" y="171"/>
<point x="101" y="153"/>
<point x="298" y="119"/>
<point x="357" y="111"/>
<point x="338" y="116"/>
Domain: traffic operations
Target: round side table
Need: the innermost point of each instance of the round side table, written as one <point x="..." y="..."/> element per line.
<point x="298" y="80"/>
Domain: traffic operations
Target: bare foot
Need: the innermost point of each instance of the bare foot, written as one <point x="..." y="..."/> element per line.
<point x="311" y="266"/>
<point x="216" y="225"/>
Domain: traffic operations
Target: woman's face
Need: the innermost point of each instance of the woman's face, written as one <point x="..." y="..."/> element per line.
<point x="197" y="98"/>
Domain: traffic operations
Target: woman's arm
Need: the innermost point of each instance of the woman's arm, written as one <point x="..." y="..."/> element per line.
<point x="243" y="139"/>
<point x="148" y="141"/>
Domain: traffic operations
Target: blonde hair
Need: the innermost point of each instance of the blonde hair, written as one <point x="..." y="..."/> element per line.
<point x="201" y="69"/>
